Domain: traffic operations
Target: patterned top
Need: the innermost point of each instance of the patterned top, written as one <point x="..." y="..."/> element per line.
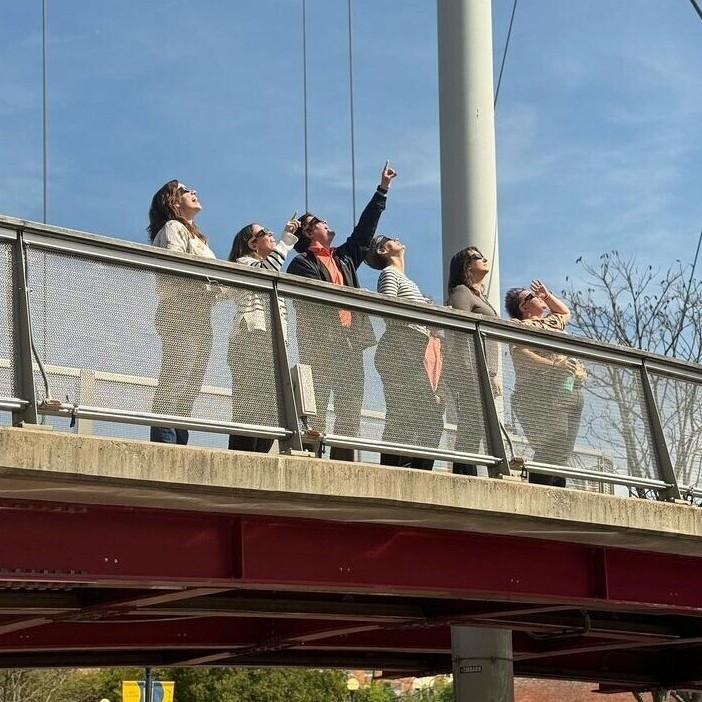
<point x="393" y="282"/>
<point x="251" y="307"/>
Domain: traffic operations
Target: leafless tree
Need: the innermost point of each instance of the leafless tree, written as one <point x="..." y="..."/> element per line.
<point x="656" y="310"/>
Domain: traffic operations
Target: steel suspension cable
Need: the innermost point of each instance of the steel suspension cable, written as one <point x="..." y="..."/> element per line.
<point x="353" y="140"/>
<point x="504" y="53"/>
<point x="697" y="8"/>
<point x="304" y="99"/>
<point x="44" y="107"/>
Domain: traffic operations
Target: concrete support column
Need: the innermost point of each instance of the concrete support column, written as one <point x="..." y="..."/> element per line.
<point x="482" y="665"/>
<point x="467" y="133"/>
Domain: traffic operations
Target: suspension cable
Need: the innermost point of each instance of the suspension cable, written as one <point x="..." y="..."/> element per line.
<point x="353" y="141"/>
<point x="44" y="107"/>
<point x="304" y="99"/>
<point x="697" y="8"/>
<point x="504" y="53"/>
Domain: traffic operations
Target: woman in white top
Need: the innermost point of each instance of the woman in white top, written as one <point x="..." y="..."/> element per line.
<point x="408" y="360"/>
<point x="250" y="355"/>
<point x="183" y="315"/>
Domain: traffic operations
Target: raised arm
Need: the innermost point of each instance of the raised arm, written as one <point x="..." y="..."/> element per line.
<point x="555" y="305"/>
<point x="356" y="245"/>
<point x="276" y="258"/>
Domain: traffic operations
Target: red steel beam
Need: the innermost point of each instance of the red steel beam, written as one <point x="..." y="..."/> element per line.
<point x="123" y="546"/>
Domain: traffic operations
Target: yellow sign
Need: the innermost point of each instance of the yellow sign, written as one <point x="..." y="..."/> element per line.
<point x="161" y="691"/>
<point x="131" y="691"/>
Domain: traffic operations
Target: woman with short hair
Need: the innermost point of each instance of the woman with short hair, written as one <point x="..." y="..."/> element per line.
<point x="547" y="398"/>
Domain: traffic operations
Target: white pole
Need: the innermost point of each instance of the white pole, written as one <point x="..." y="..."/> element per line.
<point x="467" y="133"/>
<point x="482" y="658"/>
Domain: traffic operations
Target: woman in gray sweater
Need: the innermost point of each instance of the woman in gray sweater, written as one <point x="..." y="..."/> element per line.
<point x="467" y="270"/>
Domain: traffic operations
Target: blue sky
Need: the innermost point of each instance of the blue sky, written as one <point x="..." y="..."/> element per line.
<point x="597" y="125"/>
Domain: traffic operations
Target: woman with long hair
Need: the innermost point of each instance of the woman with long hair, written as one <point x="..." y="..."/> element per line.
<point x="547" y="398"/>
<point x="250" y="354"/>
<point x="183" y="315"/>
<point x="467" y="271"/>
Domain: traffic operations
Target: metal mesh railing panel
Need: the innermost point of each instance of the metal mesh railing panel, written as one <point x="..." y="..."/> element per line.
<point x="371" y="381"/>
<point x="595" y="421"/>
<point x="678" y="402"/>
<point x="173" y="342"/>
<point x="6" y="345"/>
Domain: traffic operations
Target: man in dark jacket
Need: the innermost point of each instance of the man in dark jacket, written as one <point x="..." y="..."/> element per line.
<point x="331" y="340"/>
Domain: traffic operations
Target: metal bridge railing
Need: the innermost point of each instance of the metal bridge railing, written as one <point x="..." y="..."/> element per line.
<point x="86" y="322"/>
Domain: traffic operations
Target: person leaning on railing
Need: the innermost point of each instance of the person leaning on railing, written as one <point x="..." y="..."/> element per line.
<point x="332" y="344"/>
<point x="408" y="360"/>
<point x="183" y="316"/>
<point x="547" y="398"/>
<point x="250" y="353"/>
<point x="467" y="270"/>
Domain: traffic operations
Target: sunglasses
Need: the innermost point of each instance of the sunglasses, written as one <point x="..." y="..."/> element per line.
<point x="477" y="257"/>
<point x="527" y="298"/>
<point x="263" y="232"/>
<point x="313" y="221"/>
<point x="184" y="191"/>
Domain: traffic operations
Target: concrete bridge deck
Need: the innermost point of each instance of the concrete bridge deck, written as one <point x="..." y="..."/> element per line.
<point x="124" y="552"/>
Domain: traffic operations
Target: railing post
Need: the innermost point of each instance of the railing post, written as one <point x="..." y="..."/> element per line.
<point x="288" y="416"/>
<point x="666" y="471"/>
<point x="492" y="418"/>
<point x="22" y="371"/>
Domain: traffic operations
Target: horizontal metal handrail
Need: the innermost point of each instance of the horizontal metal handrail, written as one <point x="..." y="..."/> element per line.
<point x="601" y="476"/>
<point x="165" y="420"/>
<point x="12" y="403"/>
<point x="361" y="444"/>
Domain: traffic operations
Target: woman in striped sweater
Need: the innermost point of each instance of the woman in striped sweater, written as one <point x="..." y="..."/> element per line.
<point x="408" y="360"/>
<point x="250" y="355"/>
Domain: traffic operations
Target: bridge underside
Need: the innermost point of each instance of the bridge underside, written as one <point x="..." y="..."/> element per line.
<point x="243" y="560"/>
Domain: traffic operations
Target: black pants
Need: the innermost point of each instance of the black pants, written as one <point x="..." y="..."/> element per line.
<point x="551" y="425"/>
<point x="186" y="344"/>
<point x="337" y="367"/>
<point x="469" y="423"/>
<point x="413" y="412"/>
<point x="251" y="362"/>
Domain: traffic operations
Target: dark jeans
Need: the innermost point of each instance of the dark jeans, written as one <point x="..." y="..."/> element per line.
<point x="167" y="435"/>
<point x="551" y="425"/>
<point x="337" y="367"/>
<point x="186" y="343"/>
<point x="413" y="412"/>
<point x="251" y="362"/>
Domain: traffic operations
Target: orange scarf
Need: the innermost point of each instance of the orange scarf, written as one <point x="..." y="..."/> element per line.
<point x="326" y="256"/>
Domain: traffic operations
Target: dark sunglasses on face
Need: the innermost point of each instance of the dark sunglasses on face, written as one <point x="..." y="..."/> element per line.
<point x="477" y="257"/>
<point x="184" y="191"/>
<point x="527" y="298"/>
<point x="263" y="232"/>
<point x="313" y="221"/>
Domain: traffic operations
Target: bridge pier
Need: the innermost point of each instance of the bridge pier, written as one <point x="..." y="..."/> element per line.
<point x="482" y="664"/>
